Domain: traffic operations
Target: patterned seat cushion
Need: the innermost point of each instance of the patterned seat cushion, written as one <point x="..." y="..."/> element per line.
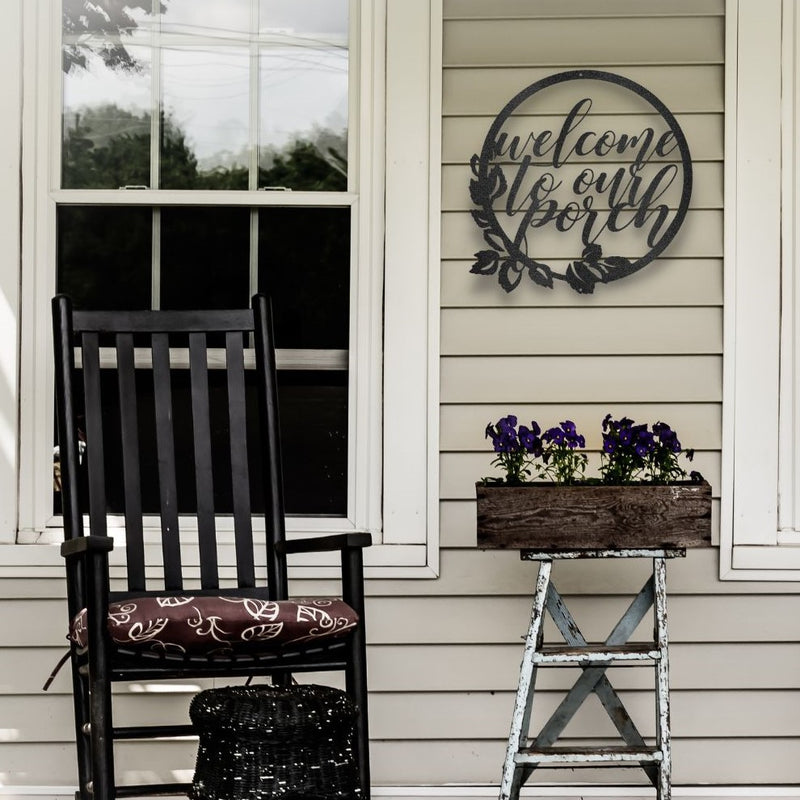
<point x="219" y="624"/>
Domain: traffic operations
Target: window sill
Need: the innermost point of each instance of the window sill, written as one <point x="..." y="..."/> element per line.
<point x="760" y="563"/>
<point x="38" y="556"/>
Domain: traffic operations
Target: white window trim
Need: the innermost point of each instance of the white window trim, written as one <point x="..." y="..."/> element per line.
<point x="10" y="208"/>
<point x="760" y="413"/>
<point x="406" y="121"/>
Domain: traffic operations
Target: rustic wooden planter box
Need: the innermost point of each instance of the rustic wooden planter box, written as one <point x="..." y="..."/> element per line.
<point x="547" y="516"/>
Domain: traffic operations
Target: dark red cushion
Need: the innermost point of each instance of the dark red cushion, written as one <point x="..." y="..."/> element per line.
<point x="219" y="624"/>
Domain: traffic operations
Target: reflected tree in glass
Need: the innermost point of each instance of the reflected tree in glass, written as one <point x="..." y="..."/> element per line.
<point x="205" y="91"/>
<point x="303" y="94"/>
<point x="100" y="28"/>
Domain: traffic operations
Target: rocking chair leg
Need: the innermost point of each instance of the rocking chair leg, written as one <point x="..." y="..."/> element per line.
<point x="102" y="743"/>
<point x="80" y="697"/>
<point x="356" y="673"/>
<point x="101" y="731"/>
<point x="356" y="683"/>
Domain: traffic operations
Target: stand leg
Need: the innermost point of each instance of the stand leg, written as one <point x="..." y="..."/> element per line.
<point x="520" y="721"/>
<point x="663" y="790"/>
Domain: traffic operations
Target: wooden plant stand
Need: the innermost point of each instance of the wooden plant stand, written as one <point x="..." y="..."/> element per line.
<point x="525" y="754"/>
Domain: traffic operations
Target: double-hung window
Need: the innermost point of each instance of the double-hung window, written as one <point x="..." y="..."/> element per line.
<point x="190" y="153"/>
<point x="205" y="157"/>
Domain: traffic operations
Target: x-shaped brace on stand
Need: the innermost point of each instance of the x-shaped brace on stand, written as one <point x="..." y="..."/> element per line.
<point x="594" y="661"/>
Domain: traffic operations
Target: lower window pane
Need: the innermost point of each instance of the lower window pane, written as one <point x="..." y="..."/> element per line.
<point x="313" y="409"/>
<point x="104" y="256"/>
<point x="205" y="257"/>
<point x="304" y="264"/>
<point x="105" y="260"/>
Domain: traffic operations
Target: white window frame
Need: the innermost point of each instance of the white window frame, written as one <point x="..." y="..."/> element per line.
<point x="396" y="225"/>
<point x="759" y="536"/>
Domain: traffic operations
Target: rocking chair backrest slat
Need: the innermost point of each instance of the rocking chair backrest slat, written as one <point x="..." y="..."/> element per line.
<point x="131" y="471"/>
<point x="204" y="478"/>
<point x="165" y="444"/>
<point x="90" y="354"/>
<point x="240" y="472"/>
<point x="273" y="471"/>
<point x="68" y="443"/>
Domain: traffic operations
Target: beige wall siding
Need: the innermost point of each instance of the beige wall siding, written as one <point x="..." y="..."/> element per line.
<point x="444" y="653"/>
<point x="649" y="346"/>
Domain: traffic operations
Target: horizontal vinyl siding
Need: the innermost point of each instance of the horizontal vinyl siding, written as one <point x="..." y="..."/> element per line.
<point x="648" y="346"/>
<point x="431" y="762"/>
<point x="450" y="715"/>
<point x="398" y="667"/>
<point x="581" y="331"/>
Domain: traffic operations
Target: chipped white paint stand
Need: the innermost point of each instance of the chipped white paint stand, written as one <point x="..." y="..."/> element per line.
<point x="523" y="757"/>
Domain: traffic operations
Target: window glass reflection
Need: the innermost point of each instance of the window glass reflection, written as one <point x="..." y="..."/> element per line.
<point x="104" y="256"/>
<point x="313" y="409"/>
<point x="303" y="94"/>
<point x="204" y="257"/>
<point x="106" y="124"/>
<point x="304" y="264"/>
<point x="205" y="132"/>
<point x="284" y="86"/>
<point x="207" y="17"/>
<point x="104" y="29"/>
<point x="303" y="17"/>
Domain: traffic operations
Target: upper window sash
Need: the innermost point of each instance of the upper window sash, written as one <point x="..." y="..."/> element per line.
<point x="215" y="90"/>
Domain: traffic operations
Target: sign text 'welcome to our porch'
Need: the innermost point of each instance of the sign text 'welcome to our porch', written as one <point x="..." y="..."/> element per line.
<point x="565" y="193"/>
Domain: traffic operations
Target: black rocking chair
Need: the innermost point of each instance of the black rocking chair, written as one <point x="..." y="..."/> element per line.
<point x="117" y="413"/>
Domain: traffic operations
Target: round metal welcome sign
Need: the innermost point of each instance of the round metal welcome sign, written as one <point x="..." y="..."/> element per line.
<point x="566" y="199"/>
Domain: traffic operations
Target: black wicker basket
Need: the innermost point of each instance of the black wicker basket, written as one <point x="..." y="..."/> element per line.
<point x="286" y="742"/>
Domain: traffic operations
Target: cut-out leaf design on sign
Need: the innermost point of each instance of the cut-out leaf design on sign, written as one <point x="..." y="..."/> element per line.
<point x="495" y="239"/>
<point x="486" y="263"/>
<point x="593" y="268"/>
<point x="487" y="186"/>
<point x="541" y="274"/>
<point x="482" y="219"/>
<point x="510" y="274"/>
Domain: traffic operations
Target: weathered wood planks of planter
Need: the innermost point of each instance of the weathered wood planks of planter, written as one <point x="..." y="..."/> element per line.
<point x="547" y="516"/>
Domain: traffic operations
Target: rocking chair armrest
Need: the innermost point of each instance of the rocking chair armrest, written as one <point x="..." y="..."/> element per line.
<point x="319" y="544"/>
<point x="86" y="544"/>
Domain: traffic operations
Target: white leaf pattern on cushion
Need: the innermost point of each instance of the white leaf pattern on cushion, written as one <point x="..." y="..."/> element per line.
<point x="172" y="602"/>
<point x="262" y="632"/>
<point x="257" y="609"/>
<point x="122" y="614"/>
<point x="212" y="628"/>
<point x="311" y="614"/>
<point x="78" y="632"/>
<point x="326" y="624"/>
<point x="144" y="633"/>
